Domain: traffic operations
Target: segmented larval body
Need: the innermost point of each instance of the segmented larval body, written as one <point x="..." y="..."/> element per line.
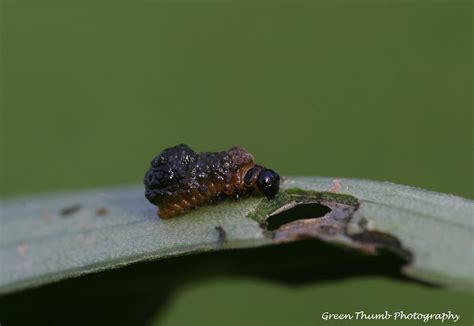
<point x="180" y="179"/>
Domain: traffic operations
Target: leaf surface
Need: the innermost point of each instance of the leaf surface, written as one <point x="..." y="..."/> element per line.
<point x="51" y="237"/>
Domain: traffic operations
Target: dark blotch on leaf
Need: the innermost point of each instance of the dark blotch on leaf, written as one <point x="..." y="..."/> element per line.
<point x="66" y="211"/>
<point x="221" y="234"/>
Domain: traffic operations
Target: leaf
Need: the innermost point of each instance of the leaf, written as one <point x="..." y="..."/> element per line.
<point x="56" y="236"/>
<point x="437" y="229"/>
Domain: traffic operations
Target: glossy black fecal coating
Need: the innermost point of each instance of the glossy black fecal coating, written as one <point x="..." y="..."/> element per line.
<point x="268" y="183"/>
<point x="179" y="169"/>
<point x="167" y="170"/>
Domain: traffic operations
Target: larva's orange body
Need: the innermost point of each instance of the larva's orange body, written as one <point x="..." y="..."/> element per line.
<point x="180" y="179"/>
<point x="183" y="201"/>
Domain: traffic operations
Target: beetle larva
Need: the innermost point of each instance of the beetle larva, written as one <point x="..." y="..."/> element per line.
<point x="180" y="179"/>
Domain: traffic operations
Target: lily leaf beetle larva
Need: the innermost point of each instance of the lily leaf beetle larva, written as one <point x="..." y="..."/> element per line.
<point x="180" y="179"/>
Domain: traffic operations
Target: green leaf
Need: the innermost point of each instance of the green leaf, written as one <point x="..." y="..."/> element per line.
<point x="437" y="229"/>
<point x="51" y="237"/>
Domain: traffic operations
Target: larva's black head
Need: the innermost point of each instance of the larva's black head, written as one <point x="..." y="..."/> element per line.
<point x="268" y="183"/>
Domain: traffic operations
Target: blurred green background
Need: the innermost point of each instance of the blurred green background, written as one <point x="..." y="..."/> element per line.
<point x="92" y="90"/>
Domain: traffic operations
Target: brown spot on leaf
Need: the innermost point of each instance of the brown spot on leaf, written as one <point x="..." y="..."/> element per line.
<point x="102" y="211"/>
<point x="336" y="186"/>
<point x="379" y="239"/>
<point x="22" y="249"/>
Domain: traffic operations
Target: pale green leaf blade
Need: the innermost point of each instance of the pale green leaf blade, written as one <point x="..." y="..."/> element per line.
<point x="38" y="245"/>
<point x="437" y="228"/>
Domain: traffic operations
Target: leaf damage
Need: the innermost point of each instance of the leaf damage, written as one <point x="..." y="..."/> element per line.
<point x="332" y="227"/>
<point x="380" y="219"/>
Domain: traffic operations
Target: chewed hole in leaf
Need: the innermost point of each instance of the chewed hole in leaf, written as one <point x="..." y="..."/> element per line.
<point x="299" y="212"/>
